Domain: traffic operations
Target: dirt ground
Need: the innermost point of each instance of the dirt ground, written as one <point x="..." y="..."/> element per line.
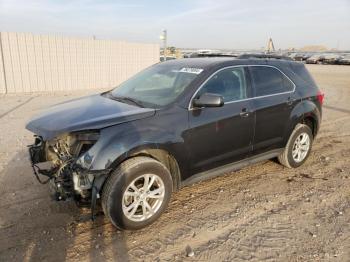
<point x="261" y="213"/>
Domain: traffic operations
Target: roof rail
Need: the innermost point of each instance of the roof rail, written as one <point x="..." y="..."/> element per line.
<point x="194" y="55"/>
<point x="264" y="56"/>
<point x="217" y="55"/>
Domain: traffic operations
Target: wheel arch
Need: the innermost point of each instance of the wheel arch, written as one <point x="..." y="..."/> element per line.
<point x="306" y="112"/>
<point x="311" y="122"/>
<point x="165" y="158"/>
<point x="156" y="153"/>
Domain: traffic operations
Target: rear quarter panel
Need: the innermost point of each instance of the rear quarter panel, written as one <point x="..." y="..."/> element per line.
<point x="306" y="93"/>
<point x="303" y="109"/>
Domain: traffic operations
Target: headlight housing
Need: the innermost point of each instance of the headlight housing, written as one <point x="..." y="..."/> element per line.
<point x="71" y="145"/>
<point x="84" y="141"/>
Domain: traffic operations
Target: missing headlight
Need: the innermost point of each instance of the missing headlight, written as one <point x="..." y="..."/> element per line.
<point x="78" y="143"/>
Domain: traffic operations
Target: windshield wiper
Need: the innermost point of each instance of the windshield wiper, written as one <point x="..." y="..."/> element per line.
<point x="127" y="99"/>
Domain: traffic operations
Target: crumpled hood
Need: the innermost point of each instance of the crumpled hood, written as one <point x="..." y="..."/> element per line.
<point x="91" y="112"/>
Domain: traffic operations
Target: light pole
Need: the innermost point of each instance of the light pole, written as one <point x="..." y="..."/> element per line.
<point x="270" y="47"/>
<point x="163" y="37"/>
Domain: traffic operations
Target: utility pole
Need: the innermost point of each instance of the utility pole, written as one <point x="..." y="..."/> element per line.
<point x="164" y="38"/>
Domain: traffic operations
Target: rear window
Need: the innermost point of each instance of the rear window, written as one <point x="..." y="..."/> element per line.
<point x="269" y="81"/>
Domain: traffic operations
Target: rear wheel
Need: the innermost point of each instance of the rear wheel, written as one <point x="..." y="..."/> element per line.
<point x="298" y="147"/>
<point x="137" y="193"/>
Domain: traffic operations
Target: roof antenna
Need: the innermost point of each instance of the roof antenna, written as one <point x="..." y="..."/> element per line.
<point x="270" y="48"/>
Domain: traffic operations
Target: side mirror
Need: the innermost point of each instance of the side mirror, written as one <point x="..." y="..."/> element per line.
<point x="208" y="100"/>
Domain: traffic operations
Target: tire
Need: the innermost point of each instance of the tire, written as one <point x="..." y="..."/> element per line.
<point x="286" y="158"/>
<point x="119" y="193"/>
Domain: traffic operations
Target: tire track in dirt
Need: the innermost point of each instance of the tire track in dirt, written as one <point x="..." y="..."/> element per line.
<point x="213" y="187"/>
<point x="271" y="242"/>
<point x="169" y="240"/>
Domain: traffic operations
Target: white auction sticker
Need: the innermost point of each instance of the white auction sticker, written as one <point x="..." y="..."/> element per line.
<point x="191" y="70"/>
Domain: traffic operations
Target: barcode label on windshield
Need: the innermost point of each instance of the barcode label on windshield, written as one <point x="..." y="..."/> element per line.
<point x="191" y="70"/>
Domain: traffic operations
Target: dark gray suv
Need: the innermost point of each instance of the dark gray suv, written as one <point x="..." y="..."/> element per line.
<point x="171" y="125"/>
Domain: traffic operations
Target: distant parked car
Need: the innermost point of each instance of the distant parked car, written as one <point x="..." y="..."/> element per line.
<point x="315" y="59"/>
<point x="301" y="56"/>
<point x="161" y="59"/>
<point x="344" y="60"/>
<point x="292" y="55"/>
<point x="331" y="59"/>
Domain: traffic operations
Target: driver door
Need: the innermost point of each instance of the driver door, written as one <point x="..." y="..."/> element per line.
<point x="220" y="135"/>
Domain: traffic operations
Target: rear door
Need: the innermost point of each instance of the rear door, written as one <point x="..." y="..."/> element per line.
<point x="222" y="134"/>
<point x="273" y="100"/>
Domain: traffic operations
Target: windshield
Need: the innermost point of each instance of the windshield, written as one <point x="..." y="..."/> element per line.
<point x="156" y="86"/>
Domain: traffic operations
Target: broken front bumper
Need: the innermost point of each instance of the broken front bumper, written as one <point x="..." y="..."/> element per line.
<point x="61" y="187"/>
<point x="67" y="179"/>
<point x="37" y="155"/>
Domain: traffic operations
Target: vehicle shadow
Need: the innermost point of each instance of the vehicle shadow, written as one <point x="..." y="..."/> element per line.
<point x="33" y="227"/>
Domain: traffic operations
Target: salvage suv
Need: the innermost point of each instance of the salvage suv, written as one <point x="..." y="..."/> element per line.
<point x="173" y="124"/>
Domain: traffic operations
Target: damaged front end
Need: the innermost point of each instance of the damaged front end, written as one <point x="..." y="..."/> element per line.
<point x="56" y="160"/>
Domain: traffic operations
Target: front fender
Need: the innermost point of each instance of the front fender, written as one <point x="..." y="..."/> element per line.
<point x="117" y="143"/>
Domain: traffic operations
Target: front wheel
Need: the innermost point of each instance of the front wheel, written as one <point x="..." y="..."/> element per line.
<point x="298" y="147"/>
<point x="137" y="193"/>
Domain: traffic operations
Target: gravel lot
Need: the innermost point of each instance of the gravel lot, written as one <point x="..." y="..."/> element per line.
<point x="261" y="213"/>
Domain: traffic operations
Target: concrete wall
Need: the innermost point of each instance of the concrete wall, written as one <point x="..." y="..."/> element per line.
<point x="43" y="63"/>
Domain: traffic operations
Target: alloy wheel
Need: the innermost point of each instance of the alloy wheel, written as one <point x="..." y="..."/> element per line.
<point x="143" y="197"/>
<point x="301" y="147"/>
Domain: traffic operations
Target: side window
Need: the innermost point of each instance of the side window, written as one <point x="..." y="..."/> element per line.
<point x="229" y="83"/>
<point x="269" y="81"/>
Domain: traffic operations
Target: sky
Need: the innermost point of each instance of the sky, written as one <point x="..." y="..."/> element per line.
<point x="211" y="24"/>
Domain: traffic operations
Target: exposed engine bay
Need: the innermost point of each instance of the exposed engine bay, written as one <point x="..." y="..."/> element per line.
<point x="56" y="159"/>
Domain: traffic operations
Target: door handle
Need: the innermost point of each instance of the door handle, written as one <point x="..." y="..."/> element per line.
<point x="244" y="113"/>
<point x="290" y="101"/>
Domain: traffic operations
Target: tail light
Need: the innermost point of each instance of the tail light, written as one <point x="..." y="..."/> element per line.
<point x="320" y="97"/>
